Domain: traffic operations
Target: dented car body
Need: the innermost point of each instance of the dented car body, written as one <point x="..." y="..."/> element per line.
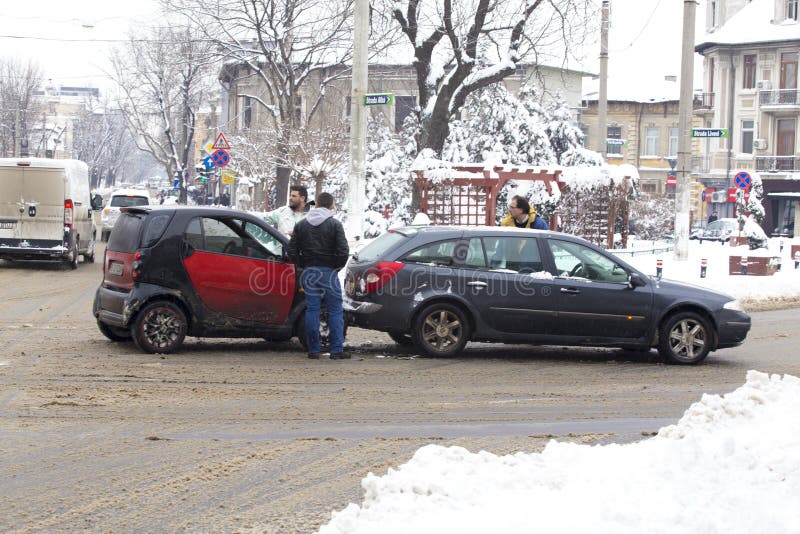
<point x="169" y="272"/>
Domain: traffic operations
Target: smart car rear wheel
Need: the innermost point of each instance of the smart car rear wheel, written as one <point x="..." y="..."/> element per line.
<point x="684" y="338"/>
<point x="160" y="327"/>
<point x="441" y="330"/>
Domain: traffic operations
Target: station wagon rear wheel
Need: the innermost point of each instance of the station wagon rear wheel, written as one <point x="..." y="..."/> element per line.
<point x="685" y="338"/>
<point x="160" y="327"/>
<point x="441" y="330"/>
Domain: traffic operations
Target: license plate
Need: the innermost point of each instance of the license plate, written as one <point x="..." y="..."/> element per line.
<point x="6" y="225"/>
<point x="115" y="268"/>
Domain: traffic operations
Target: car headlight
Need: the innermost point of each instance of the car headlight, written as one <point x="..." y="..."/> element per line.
<point x="734" y="305"/>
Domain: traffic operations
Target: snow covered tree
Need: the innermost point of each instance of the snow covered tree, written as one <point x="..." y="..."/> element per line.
<point x="652" y="216"/>
<point x="448" y="39"/>
<point x="18" y="104"/>
<point x="163" y="80"/>
<point x="388" y="171"/>
<point x="756" y="237"/>
<point x="498" y="127"/>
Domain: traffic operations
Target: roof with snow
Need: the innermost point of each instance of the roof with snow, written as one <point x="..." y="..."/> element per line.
<point x="752" y="25"/>
<point x="633" y="89"/>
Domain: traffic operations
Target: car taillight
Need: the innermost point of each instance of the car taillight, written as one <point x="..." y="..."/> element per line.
<point x="68" y="213"/>
<point x="377" y="276"/>
<point x="136" y="266"/>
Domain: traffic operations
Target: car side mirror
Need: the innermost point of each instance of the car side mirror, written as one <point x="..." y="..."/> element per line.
<point x="635" y="280"/>
<point x="97" y="202"/>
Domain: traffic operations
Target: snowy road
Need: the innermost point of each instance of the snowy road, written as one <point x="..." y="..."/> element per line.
<point x="250" y="436"/>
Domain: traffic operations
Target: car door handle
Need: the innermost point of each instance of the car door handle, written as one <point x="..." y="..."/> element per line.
<point x="478" y="285"/>
<point x="570" y="290"/>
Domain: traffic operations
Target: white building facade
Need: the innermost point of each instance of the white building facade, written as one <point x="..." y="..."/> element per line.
<point x="750" y="88"/>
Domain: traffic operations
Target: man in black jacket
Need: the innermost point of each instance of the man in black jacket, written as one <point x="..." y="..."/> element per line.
<point x="318" y="245"/>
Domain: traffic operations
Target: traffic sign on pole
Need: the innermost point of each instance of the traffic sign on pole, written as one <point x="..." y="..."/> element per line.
<point x="708" y="133"/>
<point x="208" y="162"/>
<point x="220" y="158"/>
<point x="221" y="143"/>
<point x="742" y="179"/>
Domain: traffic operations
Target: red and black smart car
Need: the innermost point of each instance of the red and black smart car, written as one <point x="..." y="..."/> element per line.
<point x="169" y="272"/>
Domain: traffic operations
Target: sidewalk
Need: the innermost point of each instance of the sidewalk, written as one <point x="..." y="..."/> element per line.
<point x="784" y="285"/>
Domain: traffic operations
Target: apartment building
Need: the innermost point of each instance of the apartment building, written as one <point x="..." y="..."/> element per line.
<point x="642" y="130"/>
<point x="750" y="88"/>
<point x="52" y="125"/>
<point x="243" y="90"/>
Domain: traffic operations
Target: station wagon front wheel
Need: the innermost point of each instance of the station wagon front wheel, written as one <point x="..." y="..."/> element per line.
<point x="685" y="338"/>
<point x="160" y="327"/>
<point x="441" y="330"/>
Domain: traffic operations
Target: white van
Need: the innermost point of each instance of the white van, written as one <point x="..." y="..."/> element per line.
<point x="46" y="210"/>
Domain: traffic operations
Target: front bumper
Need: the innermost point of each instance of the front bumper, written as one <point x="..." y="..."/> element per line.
<point x="733" y="327"/>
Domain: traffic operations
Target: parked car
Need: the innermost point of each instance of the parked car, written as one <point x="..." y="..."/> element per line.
<point x="121" y="198"/>
<point x="440" y="287"/>
<point x="46" y="210"/>
<point x="169" y="272"/>
<point x="697" y="229"/>
<point x="720" y="230"/>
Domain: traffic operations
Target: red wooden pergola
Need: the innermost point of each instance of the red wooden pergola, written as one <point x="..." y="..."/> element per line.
<point x="467" y="193"/>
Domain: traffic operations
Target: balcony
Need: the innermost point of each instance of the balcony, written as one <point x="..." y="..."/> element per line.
<point x="777" y="163"/>
<point x="701" y="164"/>
<point x="779" y="100"/>
<point x="703" y="103"/>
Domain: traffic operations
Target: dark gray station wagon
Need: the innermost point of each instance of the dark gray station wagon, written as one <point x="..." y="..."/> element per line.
<point x="440" y="287"/>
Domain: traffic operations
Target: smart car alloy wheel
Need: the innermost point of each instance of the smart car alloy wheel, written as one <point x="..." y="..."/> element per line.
<point x="160" y="327"/>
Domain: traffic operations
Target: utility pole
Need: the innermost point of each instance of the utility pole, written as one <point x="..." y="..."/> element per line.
<point x="602" y="103"/>
<point x="358" y="118"/>
<point x="684" y="134"/>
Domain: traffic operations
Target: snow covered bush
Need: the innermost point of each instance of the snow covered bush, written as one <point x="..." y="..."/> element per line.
<point x="652" y="216"/>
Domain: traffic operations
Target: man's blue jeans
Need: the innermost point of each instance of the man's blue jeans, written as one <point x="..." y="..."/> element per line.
<point x="322" y="284"/>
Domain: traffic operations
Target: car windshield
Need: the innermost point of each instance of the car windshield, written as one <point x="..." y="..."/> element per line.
<point x="128" y="201"/>
<point x="720" y="225"/>
<point x="379" y="246"/>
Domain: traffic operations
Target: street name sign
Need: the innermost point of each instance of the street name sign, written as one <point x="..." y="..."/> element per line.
<point x="380" y="99"/>
<point x="716" y="133"/>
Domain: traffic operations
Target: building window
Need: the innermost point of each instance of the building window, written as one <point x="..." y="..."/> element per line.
<point x="713" y="14"/>
<point x="298" y="108"/>
<point x="613" y="140"/>
<point x="749" y="72"/>
<point x="673" y="143"/>
<point x="403" y="107"/>
<point x="247" y="112"/>
<point x="651" y="142"/>
<point x="747" y="136"/>
<point x="791" y="9"/>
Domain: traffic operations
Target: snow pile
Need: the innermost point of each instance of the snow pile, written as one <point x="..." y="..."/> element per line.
<point x="731" y="464"/>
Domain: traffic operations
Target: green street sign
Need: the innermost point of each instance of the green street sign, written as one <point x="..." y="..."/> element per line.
<point x="709" y="133"/>
<point x="379" y="99"/>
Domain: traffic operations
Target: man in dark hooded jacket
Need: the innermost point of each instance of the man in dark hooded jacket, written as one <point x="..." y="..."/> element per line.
<point x="318" y="245"/>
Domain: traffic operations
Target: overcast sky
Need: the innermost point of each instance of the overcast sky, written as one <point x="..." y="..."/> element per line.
<point x="69" y="39"/>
